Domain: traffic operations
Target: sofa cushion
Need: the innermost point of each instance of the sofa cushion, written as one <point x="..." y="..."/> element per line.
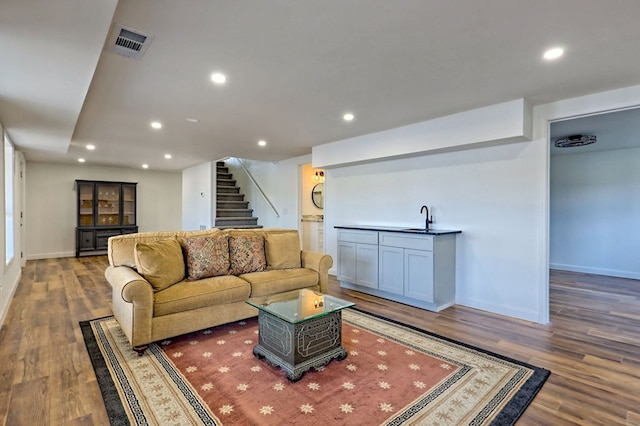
<point x="206" y="256"/>
<point x="160" y="262"/>
<point x="276" y="281"/>
<point x="283" y="250"/>
<point x="121" y="248"/>
<point x="246" y="254"/>
<point x="188" y="295"/>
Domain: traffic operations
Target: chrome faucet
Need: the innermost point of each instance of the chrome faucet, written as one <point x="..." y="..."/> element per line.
<point x="428" y="219"/>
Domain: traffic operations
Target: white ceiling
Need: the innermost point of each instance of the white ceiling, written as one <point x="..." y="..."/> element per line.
<point x="293" y="67"/>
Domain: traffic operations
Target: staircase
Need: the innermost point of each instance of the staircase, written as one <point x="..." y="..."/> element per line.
<point x="231" y="209"/>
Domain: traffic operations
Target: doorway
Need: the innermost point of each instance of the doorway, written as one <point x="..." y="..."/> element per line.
<point x="594" y="202"/>
<point x="312" y="208"/>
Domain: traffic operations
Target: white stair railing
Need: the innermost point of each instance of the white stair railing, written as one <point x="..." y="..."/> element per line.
<point x="253" y="180"/>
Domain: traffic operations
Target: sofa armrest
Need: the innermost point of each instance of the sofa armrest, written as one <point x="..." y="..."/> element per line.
<point x="132" y="303"/>
<point x="319" y="262"/>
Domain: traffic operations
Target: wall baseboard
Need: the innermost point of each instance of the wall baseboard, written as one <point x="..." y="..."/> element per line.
<point x="596" y="271"/>
<point x="50" y="255"/>
<point x="527" y="315"/>
<point x="4" y="310"/>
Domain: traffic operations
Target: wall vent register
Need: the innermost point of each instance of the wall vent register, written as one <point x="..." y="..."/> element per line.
<point x="128" y="42"/>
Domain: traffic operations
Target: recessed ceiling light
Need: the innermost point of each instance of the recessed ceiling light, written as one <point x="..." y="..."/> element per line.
<point x="156" y="124"/>
<point x="218" y="78"/>
<point x="348" y="117"/>
<point x="192" y="120"/>
<point x="553" y="53"/>
<point x="167" y="156"/>
<point x="81" y="160"/>
<point x="262" y="142"/>
<point x="91" y="147"/>
<point x="145" y="166"/>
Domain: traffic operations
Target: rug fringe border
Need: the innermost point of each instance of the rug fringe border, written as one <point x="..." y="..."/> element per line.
<point x="517" y="405"/>
<point x="115" y="409"/>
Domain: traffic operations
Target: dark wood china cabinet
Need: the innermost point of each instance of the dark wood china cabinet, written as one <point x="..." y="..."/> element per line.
<point x="105" y="209"/>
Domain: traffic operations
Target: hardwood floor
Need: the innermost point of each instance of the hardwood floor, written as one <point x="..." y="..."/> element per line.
<point x="591" y="346"/>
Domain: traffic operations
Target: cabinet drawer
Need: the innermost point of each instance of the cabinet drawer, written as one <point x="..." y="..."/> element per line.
<point x="409" y="241"/>
<point x="102" y="238"/>
<point x="364" y="237"/>
<point x="85" y="240"/>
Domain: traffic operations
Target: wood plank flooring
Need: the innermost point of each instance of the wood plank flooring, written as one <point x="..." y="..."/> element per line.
<point x="591" y="346"/>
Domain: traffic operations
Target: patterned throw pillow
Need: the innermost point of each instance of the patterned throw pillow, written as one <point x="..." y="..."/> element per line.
<point x="246" y="254"/>
<point x="206" y="256"/>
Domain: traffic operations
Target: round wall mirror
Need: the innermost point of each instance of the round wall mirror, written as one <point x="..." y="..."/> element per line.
<point x="317" y="195"/>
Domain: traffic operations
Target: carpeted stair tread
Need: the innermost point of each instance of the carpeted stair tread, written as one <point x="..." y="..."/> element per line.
<point x="232" y="205"/>
<point x="231" y="197"/>
<point x="239" y="227"/>
<point x="234" y="213"/>
<point x="228" y="190"/>
<point x="240" y="219"/>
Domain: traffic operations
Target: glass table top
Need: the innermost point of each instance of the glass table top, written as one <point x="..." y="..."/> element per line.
<point x="300" y="305"/>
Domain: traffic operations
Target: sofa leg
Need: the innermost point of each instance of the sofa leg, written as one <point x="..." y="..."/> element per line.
<point x="140" y="349"/>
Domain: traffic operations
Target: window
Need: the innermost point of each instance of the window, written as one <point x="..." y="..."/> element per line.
<point x="8" y="198"/>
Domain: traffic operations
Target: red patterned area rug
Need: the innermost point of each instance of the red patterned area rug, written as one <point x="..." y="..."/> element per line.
<point x="393" y="375"/>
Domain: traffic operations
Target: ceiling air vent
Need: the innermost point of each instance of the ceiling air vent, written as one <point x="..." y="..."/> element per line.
<point x="128" y="42"/>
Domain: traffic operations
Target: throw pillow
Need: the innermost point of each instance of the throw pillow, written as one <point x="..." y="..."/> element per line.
<point x="283" y="250"/>
<point x="206" y="256"/>
<point x="246" y="254"/>
<point x="160" y="262"/>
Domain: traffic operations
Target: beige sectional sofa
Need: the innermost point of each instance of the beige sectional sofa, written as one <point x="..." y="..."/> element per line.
<point x="170" y="283"/>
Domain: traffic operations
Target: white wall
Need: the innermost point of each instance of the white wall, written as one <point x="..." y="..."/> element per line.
<point x="50" y="210"/>
<point x="477" y="175"/>
<point x="198" y="196"/>
<point x="484" y="192"/>
<point x="594" y="211"/>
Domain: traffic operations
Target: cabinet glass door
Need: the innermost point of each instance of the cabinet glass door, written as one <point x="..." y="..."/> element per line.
<point x="108" y="205"/>
<point x="129" y="204"/>
<point x="85" y="209"/>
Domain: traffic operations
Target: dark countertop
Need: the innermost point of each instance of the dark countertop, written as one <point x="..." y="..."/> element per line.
<point x="403" y="230"/>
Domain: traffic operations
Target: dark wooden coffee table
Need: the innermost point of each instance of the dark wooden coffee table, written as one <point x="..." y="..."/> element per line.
<point x="300" y="330"/>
